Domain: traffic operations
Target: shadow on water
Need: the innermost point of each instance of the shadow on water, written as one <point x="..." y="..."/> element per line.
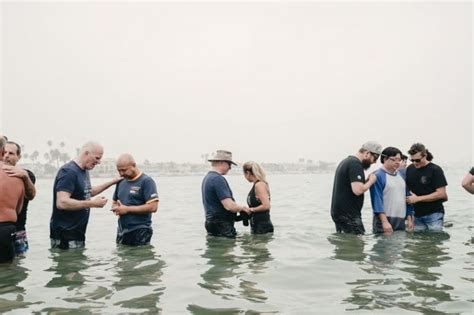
<point x="227" y="270"/>
<point x="400" y="272"/>
<point x="11" y="276"/>
<point x="139" y="285"/>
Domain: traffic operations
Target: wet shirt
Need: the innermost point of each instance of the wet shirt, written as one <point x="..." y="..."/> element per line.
<point x="215" y="188"/>
<point x="135" y="192"/>
<point x="260" y="221"/>
<point x="424" y="181"/>
<point x="345" y="204"/>
<point x="74" y="180"/>
<point x="388" y="196"/>
<point x="21" y="221"/>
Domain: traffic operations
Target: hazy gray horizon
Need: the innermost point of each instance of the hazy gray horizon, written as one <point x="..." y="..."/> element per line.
<point x="269" y="81"/>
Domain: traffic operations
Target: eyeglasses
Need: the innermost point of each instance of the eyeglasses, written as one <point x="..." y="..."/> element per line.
<point x="415" y="160"/>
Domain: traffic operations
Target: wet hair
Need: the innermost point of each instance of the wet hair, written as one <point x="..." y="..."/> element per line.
<point x="255" y="169"/>
<point x="420" y="148"/>
<point x="18" y="148"/>
<point x="389" y="152"/>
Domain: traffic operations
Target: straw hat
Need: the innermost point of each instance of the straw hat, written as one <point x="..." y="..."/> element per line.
<point x="222" y="155"/>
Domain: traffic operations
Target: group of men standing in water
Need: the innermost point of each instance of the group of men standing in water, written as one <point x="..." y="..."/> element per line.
<point x="410" y="199"/>
<point x="402" y="199"/>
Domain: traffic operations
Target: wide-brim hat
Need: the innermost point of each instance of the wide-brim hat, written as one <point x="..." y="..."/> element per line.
<point x="222" y="155"/>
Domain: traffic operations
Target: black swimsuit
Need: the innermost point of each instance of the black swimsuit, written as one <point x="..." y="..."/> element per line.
<point x="260" y="221"/>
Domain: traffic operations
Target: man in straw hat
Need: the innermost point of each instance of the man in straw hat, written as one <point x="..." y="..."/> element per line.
<point x="217" y="198"/>
<point x="350" y="186"/>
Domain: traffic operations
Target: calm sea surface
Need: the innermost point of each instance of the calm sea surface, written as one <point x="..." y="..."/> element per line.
<point x="303" y="268"/>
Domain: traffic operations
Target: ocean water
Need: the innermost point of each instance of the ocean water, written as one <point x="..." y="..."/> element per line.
<point x="303" y="268"/>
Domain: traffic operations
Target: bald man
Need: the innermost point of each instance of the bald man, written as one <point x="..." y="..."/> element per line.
<point x="11" y="200"/>
<point x="135" y="199"/>
<point x="73" y="196"/>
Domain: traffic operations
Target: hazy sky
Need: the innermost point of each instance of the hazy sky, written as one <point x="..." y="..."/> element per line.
<point x="270" y="81"/>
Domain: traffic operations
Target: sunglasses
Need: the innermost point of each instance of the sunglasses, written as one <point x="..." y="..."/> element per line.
<point x="415" y="160"/>
<point x="375" y="155"/>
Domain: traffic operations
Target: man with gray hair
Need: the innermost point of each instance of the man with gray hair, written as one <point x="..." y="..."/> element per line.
<point x="11" y="200"/>
<point x="217" y="198"/>
<point x="73" y="196"/>
<point x="135" y="199"/>
<point x="350" y="186"/>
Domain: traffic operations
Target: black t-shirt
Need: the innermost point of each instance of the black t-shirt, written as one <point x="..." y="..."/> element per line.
<point x="21" y="221"/>
<point x="424" y="181"/>
<point x="344" y="202"/>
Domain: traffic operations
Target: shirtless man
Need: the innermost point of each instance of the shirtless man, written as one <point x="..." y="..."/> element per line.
<point x="11" y="201"/>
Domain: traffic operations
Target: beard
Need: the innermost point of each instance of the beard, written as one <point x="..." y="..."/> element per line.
<point x="366" y="164"/>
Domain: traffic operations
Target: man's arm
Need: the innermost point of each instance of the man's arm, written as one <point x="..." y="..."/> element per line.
<point x="13" y="171"/>
<point x="100" y="188"/>
<point x="359" y="188"/>
<point x="19" y="204"/>
<point x="232" y="206"/>
<point x="149" y="207"/>
<point x="439" y="194"/>
<point x="468" y="183"/>
<point x="65" y="202"/>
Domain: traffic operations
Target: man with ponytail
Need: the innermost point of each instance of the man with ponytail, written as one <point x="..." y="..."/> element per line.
<point x="427" y="184"/>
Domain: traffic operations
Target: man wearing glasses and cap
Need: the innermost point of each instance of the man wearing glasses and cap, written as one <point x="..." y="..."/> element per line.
<point x="427" y="184"/>
<point x="349" y="188"/>
<point x="217" y="198"/>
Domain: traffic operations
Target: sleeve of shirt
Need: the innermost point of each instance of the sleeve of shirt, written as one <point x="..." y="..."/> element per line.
<point x="222" y="188"/>
<point x="409" y="207"/>
<point x="31" y="176"/>
<point x="66" y="181"/>
<point x="376" y="193"/>
<point x="115" y="196"/>
<point x="356" y="173"/>
<point x="149" y="190"/>
<point x="439" y="180"/>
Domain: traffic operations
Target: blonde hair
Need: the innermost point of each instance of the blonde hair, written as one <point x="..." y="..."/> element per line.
<point x="256" y="170"/>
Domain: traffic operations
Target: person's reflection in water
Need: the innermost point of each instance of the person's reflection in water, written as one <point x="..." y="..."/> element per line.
<point x="227" y="269"/>
<point x="348" y="247"/>
<point x="382" y="289"/>
<point x="256" y="251"/>
<point x="423" y="253"/>
<point x="139" y="284"/>
<point x="11" y="275"/>
<point x="68" y="267"/>
<point x="223" y="264"/>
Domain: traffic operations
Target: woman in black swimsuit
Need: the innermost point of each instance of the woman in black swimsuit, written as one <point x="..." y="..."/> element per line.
<point x="258" y="199"/>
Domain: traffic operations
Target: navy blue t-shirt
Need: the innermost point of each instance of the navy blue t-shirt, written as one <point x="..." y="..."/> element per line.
<point x="74" y="180"/>
<point x="214" y="189"/>
<point x="135" y="193"/>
